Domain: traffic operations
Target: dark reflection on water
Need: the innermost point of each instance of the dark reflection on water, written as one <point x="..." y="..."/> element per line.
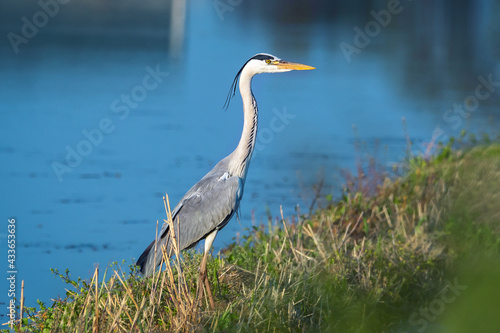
<point x="429" y="58"/>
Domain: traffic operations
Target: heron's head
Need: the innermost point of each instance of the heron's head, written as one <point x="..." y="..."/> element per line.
<point x="263" y="63"/>
<point x="267" y="63"/>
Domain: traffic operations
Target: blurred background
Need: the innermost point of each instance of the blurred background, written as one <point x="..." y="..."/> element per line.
<point x="155" y="74"/>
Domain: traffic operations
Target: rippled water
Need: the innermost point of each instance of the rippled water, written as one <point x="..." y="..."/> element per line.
<point x="75" y="76"/>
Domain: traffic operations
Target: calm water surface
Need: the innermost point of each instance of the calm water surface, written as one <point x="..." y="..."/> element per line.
<point x="81" y="66"/>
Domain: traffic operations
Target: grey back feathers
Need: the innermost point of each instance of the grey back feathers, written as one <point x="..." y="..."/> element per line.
<point x="207" y="206"/>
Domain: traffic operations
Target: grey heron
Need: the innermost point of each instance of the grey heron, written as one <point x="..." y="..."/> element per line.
<point x="209" y="205"/>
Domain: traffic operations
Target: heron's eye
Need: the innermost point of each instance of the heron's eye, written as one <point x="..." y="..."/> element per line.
<point x="268" y="61"/>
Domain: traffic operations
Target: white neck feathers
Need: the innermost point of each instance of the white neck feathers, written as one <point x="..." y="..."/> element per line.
<point x="240" y="158"/>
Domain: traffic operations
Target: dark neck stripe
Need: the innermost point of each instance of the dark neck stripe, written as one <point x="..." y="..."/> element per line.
<point x="253" y="134"/>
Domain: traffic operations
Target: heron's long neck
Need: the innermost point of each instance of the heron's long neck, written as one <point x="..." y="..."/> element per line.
<point x="240" y="158"/>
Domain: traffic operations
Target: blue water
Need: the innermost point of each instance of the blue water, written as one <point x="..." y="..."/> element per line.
<point x="72" y="75"/>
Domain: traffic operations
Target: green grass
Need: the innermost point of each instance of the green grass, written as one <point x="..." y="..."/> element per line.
<point x="376" y="260"/>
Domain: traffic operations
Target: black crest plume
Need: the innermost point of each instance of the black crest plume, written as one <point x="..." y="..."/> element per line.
<point x="232" y="90"/>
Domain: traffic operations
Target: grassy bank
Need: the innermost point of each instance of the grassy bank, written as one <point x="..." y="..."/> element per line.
<point x="420" y="253"/>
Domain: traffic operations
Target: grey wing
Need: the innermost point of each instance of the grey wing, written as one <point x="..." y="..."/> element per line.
<point x="208" y="207"/>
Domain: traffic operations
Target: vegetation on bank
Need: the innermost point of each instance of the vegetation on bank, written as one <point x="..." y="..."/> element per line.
<point x="417" y="253"/>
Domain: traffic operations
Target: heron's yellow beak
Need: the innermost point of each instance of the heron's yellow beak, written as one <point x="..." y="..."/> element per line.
<point x="292" y="65"/>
